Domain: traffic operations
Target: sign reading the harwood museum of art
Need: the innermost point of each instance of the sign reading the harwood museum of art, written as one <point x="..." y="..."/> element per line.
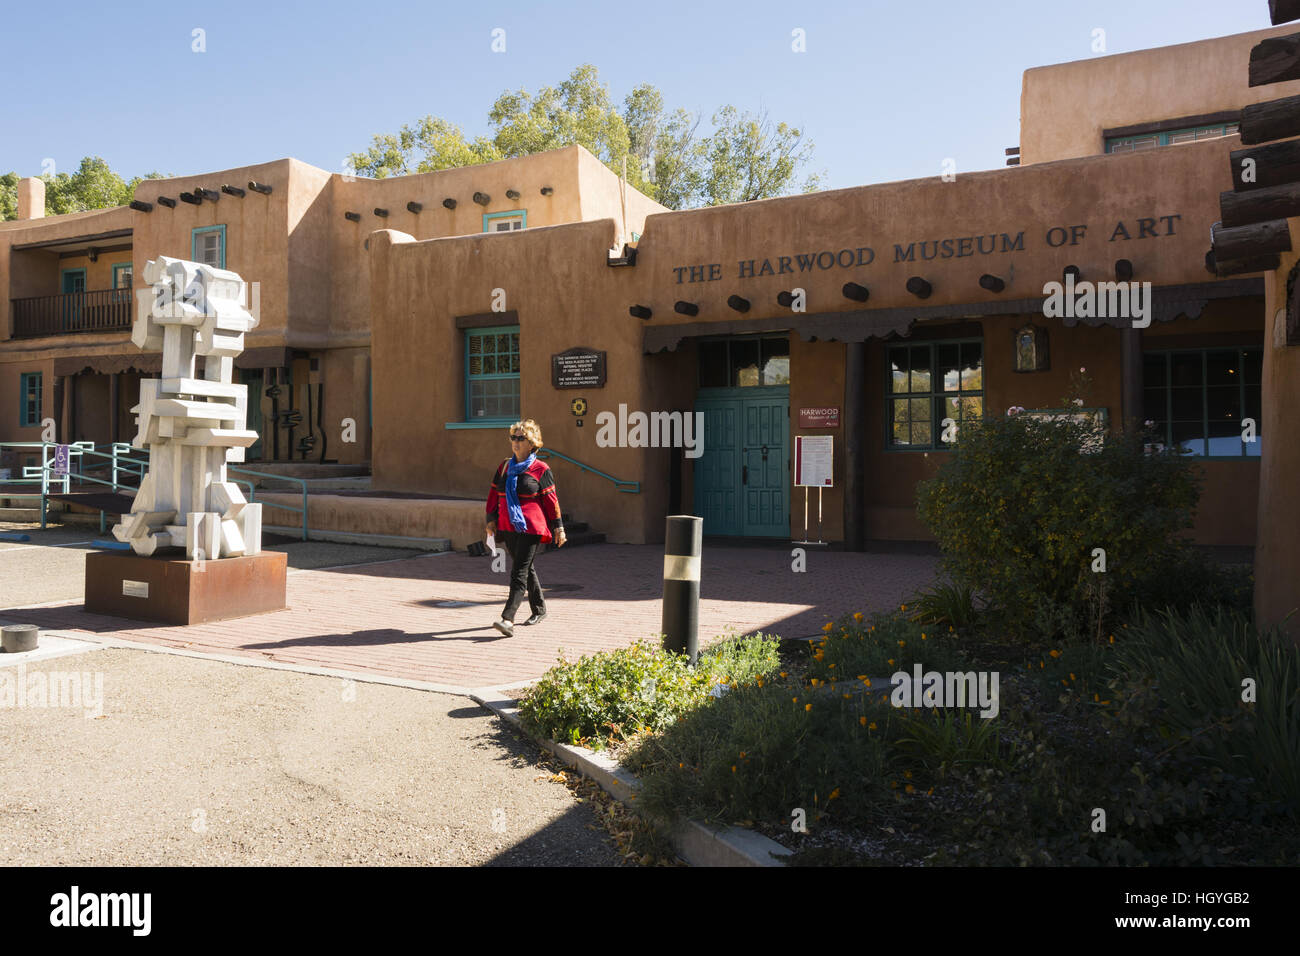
<point x="578" y="368"/>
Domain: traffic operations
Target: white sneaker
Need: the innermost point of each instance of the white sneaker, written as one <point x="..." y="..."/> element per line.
<point x="505" y="627"/>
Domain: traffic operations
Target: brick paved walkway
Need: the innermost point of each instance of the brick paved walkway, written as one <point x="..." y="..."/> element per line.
<point x="385" y="619"/>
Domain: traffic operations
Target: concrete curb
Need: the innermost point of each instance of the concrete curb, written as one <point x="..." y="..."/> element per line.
<point x="697" y="843"/>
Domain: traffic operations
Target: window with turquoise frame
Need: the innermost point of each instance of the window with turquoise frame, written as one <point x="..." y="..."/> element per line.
<point x="1133" y="144"/>
<point x="29" y="399"/>
<point x="492" y="374"/>
<point x="1199" y="399"/>
<point x="208" y="245"/>
<point x="511" y="221"/>
<point x="927" y="383"/>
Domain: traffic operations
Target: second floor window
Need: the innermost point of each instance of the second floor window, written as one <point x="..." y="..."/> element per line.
<point x="208" y="245"/>
<point x="505" y="221"/>
<point x="1133" y="144"/>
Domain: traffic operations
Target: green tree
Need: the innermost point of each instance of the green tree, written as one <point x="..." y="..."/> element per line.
<point x="667" y="158"/>
<point x="93" y="186"/>
<point x="750" y="158"/>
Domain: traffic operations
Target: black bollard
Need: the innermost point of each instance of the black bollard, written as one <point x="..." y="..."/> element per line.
<point x="681" y="618"/>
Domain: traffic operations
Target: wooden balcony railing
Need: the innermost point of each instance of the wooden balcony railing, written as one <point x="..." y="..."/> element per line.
<point x="104" y="310"/>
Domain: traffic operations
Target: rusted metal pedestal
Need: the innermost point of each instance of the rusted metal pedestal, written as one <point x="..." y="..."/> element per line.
<point x="179" y="591"/>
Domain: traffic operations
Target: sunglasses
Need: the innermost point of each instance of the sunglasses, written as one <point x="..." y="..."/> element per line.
<point x="519" y="438"/>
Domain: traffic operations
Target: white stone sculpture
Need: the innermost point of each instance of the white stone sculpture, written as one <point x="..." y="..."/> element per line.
<point x="192" y="426"/>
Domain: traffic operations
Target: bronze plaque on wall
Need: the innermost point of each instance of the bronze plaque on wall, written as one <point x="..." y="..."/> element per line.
<point x="578" y="368"/>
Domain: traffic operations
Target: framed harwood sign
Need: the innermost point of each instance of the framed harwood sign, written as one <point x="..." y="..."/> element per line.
<point x="578" y="368"/>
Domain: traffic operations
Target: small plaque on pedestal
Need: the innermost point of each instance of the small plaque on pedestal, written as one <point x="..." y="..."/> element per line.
<point x="180" y="591"/>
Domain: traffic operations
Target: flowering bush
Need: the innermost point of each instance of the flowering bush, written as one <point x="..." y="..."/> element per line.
<point x="1020" y="509"/>
<point x="615" y="694"/>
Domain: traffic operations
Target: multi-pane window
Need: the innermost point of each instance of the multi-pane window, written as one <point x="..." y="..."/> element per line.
<point x="1133" y="144"/>
<point x="933" y="389"/>
<point x="1199" y="399"/>
<point x="492" y="374"/>
<point x="505" y="221"/>
<point x="29" y="399"/>
<point x="744" y="362"/>
<point x="209" y="246"/>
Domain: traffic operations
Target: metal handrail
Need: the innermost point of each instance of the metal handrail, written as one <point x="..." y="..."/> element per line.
<point x="120" y="457"/>
<point x="263" y="474"/>
<point x="633" y="487"/>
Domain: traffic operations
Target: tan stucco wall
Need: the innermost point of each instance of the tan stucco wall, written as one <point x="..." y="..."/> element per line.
<point x="565" y="295"/>
<point x="34" y="272"/>
<point x="1065" y="107"/>
<point x="1277" y="550"/>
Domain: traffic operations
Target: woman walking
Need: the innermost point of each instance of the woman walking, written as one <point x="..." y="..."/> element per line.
<point x="523" y="505"/>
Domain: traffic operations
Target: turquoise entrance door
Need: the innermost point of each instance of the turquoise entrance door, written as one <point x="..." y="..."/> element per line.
<point x="742" y="478"/>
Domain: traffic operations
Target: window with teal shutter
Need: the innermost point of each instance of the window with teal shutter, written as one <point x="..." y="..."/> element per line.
<point x="492" y="374"/>
<point x="29" y="399"/>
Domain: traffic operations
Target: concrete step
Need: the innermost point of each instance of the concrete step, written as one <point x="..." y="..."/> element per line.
<point x="354" y="537"/>
<point x="20" y="514"/>
<point x="351" y="483"/>
<point x="577" y="540"/>
<point x="307" y="469"/>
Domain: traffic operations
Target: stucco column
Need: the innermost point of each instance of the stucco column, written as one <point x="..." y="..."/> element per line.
<point x="1130" y="360"/>
<point x="1277" y="544"/>
<point x="855" y="458"/>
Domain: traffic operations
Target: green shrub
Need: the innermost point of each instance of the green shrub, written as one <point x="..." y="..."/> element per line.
<point x="1185" y="672"/>
<point x="881" y="645"/>
<point x="1019" y="508"/>
<point x="613" y="694"/>
<point x="945" y="604"/>
<point x="760" y="752"/>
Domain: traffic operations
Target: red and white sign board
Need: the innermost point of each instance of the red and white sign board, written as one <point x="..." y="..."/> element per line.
<point x="819" y="418"/>
<point x="813" y="458"/>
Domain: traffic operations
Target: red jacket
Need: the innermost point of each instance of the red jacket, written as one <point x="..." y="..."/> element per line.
<point x="536" y="489"/>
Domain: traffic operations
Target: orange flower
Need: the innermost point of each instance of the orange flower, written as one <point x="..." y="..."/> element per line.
<point x="733" y="768"/>
<point x="871" y="726"/>
<point x="909" y="788"/>
<point x="848" y="696"/>
<point x="857" y="615"/>
<point x="807" y="706"/>
<point x="862" y="721"/>
<point x="834" y="793"/>
<point x="827" y="627"/>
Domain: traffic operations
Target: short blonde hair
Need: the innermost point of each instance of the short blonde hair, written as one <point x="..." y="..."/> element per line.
<point x="531" y="429"/>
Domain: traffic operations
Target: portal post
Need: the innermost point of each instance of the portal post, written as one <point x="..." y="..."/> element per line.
<point x="681" y="615"/>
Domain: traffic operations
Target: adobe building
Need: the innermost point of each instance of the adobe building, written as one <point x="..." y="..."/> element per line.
<point x="922" y="301"/>
<point x="297" y="232"/>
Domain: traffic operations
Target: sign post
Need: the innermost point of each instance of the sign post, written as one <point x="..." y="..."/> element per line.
<point x="813" y="460"/>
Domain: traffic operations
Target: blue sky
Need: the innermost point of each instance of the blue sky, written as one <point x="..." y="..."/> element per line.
<point x="886" y="90"/>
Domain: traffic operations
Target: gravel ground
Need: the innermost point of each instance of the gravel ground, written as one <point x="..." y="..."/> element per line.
<point x="206" y="763"/>
<point x="51" y="567"/>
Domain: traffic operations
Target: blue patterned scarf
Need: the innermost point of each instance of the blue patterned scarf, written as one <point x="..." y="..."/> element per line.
<point x="513" y="471"/>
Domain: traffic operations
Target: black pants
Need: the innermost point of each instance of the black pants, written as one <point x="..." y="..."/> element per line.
<point x="522" y="549"/>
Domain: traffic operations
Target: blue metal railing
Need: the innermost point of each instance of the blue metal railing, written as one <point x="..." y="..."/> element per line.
<point x="630" y="487"/>
<point x="263" y="474"/>
<point x="122" y="464"/>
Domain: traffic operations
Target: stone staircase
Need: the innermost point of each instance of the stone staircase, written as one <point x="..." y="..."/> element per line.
<point x="578" y="533"/>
